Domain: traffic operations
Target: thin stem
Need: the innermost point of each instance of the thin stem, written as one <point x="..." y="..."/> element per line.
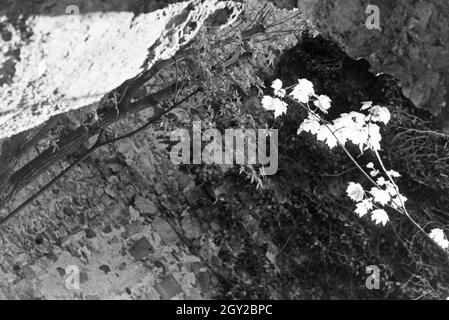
<point x="416" y="224"/>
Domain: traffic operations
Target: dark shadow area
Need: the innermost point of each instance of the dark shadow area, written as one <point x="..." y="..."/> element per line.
<point x="303" y="217"/>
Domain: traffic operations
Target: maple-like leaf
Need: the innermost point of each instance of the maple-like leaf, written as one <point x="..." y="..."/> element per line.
<point x="438" y="236"/>
<point x="270" y="103"/>
<point x="303" y="91"/>
<point x="277" y="87"/>
<point x="311" y="124"/>
<point x="380" y="196"/>
<point x="326" y="134"/>
<point x="363" y="207"/>
<point x="355" y="191"/>
<point x="379" y="216"/>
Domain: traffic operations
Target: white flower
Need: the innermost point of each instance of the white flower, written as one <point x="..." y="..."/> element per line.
<point x="277" y="87"/>
<point x="379" y="216"/>
<point x="303" y="90"/>
<point x="380" y="196"/>
<point x="355" y="191"/>
<point x="279" y="106"/>
<point x="323" y="103"/>
<point x="438" y="236"/>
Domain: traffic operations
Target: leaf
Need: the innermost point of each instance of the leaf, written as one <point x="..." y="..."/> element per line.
<point x="311" y="124"/>
<point x="323" y="103"/>
<point x="393" y="173"/>
<point x="363" y="207"/>
<point x="355" y="191"/>
<point x="303" y="91"/>
<point x="277" y="87"/>
<point x="366" y="105"/>
<point x="374" y="136"/>
<point x="379" y="216"/>
<point x="270" y="103"/>
<point x="325" y="134"/>
<point x="439" y="237"/>
<point x="380" y="114"/>
<point x="398" y="201"/>
<point x="374" y="173"/>
<point x="381" y="181"/>
<point x="380" y="196"/>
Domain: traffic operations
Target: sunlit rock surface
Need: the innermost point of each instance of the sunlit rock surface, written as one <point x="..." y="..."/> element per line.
<point x="52" y="62"/>
<point x="413" y="43"/>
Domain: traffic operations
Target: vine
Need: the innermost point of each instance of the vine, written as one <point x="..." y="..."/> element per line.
<point x="363" y="130"/>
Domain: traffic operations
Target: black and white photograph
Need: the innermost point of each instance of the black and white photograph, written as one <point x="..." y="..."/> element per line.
<point x="221" y="157"/>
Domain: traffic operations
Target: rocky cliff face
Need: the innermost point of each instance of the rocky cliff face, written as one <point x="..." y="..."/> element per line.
<point x="413" y="43"/>
<point x="52" y="62"/>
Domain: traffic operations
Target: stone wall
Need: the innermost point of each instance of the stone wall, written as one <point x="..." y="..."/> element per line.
<point x="413" y="43"/>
